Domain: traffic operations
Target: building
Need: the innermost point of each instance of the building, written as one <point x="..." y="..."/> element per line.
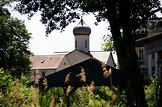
<point x="150" y="54"/>
<point x="48" y="64"/>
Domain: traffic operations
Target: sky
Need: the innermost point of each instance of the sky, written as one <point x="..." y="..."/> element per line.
<point x="61" y="42"/>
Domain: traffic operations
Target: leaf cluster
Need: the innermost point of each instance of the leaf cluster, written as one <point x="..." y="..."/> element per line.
<point x="108" y="44"/>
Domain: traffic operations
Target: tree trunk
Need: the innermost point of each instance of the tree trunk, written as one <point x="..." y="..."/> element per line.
<point x="125" y="47"/>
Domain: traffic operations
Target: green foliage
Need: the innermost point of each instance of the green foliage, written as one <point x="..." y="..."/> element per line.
<point x="14" y="40"/>
<point x="5" y="80"/>
<point x="53" y="97"/>
<point x="108" y="44"/>
<point x="102" y="97"/>
<point x="105" y="96"/>
<point x="123" y="100"/>
<point x="80" y="98"/>
<point x="151" y="92"/>
<point x="16" y="93"/>
<point x="103" y="92"/>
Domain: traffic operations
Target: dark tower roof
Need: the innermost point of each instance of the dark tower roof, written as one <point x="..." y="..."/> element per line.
<point x="81" y="29"/>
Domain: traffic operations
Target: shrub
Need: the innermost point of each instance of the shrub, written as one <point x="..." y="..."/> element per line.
<point x="16" y="93"/>
<point x="151" y="92"/>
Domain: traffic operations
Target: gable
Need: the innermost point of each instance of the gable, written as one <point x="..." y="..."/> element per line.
<point x="100" y="55"/>
<point x="105" y="57"/>
<point x="72" y="58"/>
<point x="76" y="57"/>
<point x="110" y="61"/>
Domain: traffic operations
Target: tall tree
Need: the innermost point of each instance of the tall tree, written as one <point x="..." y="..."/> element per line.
<point x="128" y="16"/>
<point x="14" y="40"/>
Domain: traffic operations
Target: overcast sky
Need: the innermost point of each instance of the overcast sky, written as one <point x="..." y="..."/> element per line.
<point x="56" y="41"/>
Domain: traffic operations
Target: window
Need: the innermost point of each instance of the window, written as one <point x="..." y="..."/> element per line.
<point x="85" y="44"/>
<point x="75" y="44"/>
<point x="141" y="54"/>
<point x="34" y="74"/>
<point x="153" y="56"/>
<point x="43" y="74"/>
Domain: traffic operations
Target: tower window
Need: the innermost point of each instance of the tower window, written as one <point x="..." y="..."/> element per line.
<point x="85" y="44"/>
<point x="75" y="44"/>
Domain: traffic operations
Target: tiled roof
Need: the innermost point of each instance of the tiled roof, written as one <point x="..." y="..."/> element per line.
<point x="53" y="61"/>
<point x="148" y="39"/>
<point x="46" y="61"/>
<point x="153" y="35"/>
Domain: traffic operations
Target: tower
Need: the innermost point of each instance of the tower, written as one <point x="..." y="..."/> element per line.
<point x="81" y="32"/>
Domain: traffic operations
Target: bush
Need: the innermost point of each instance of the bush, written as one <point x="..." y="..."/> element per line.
<point x="16" y="93"/>
<point x="151" y="92"/>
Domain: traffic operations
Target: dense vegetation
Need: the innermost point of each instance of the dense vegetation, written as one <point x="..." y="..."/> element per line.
<point x="17" y="93"/>
<point x="14" y="40"/>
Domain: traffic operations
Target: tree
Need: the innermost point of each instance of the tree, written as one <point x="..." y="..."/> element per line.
<point x="127" y="16"/>
<point x="14" y="40"/>
<point x="108" y="44"/>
